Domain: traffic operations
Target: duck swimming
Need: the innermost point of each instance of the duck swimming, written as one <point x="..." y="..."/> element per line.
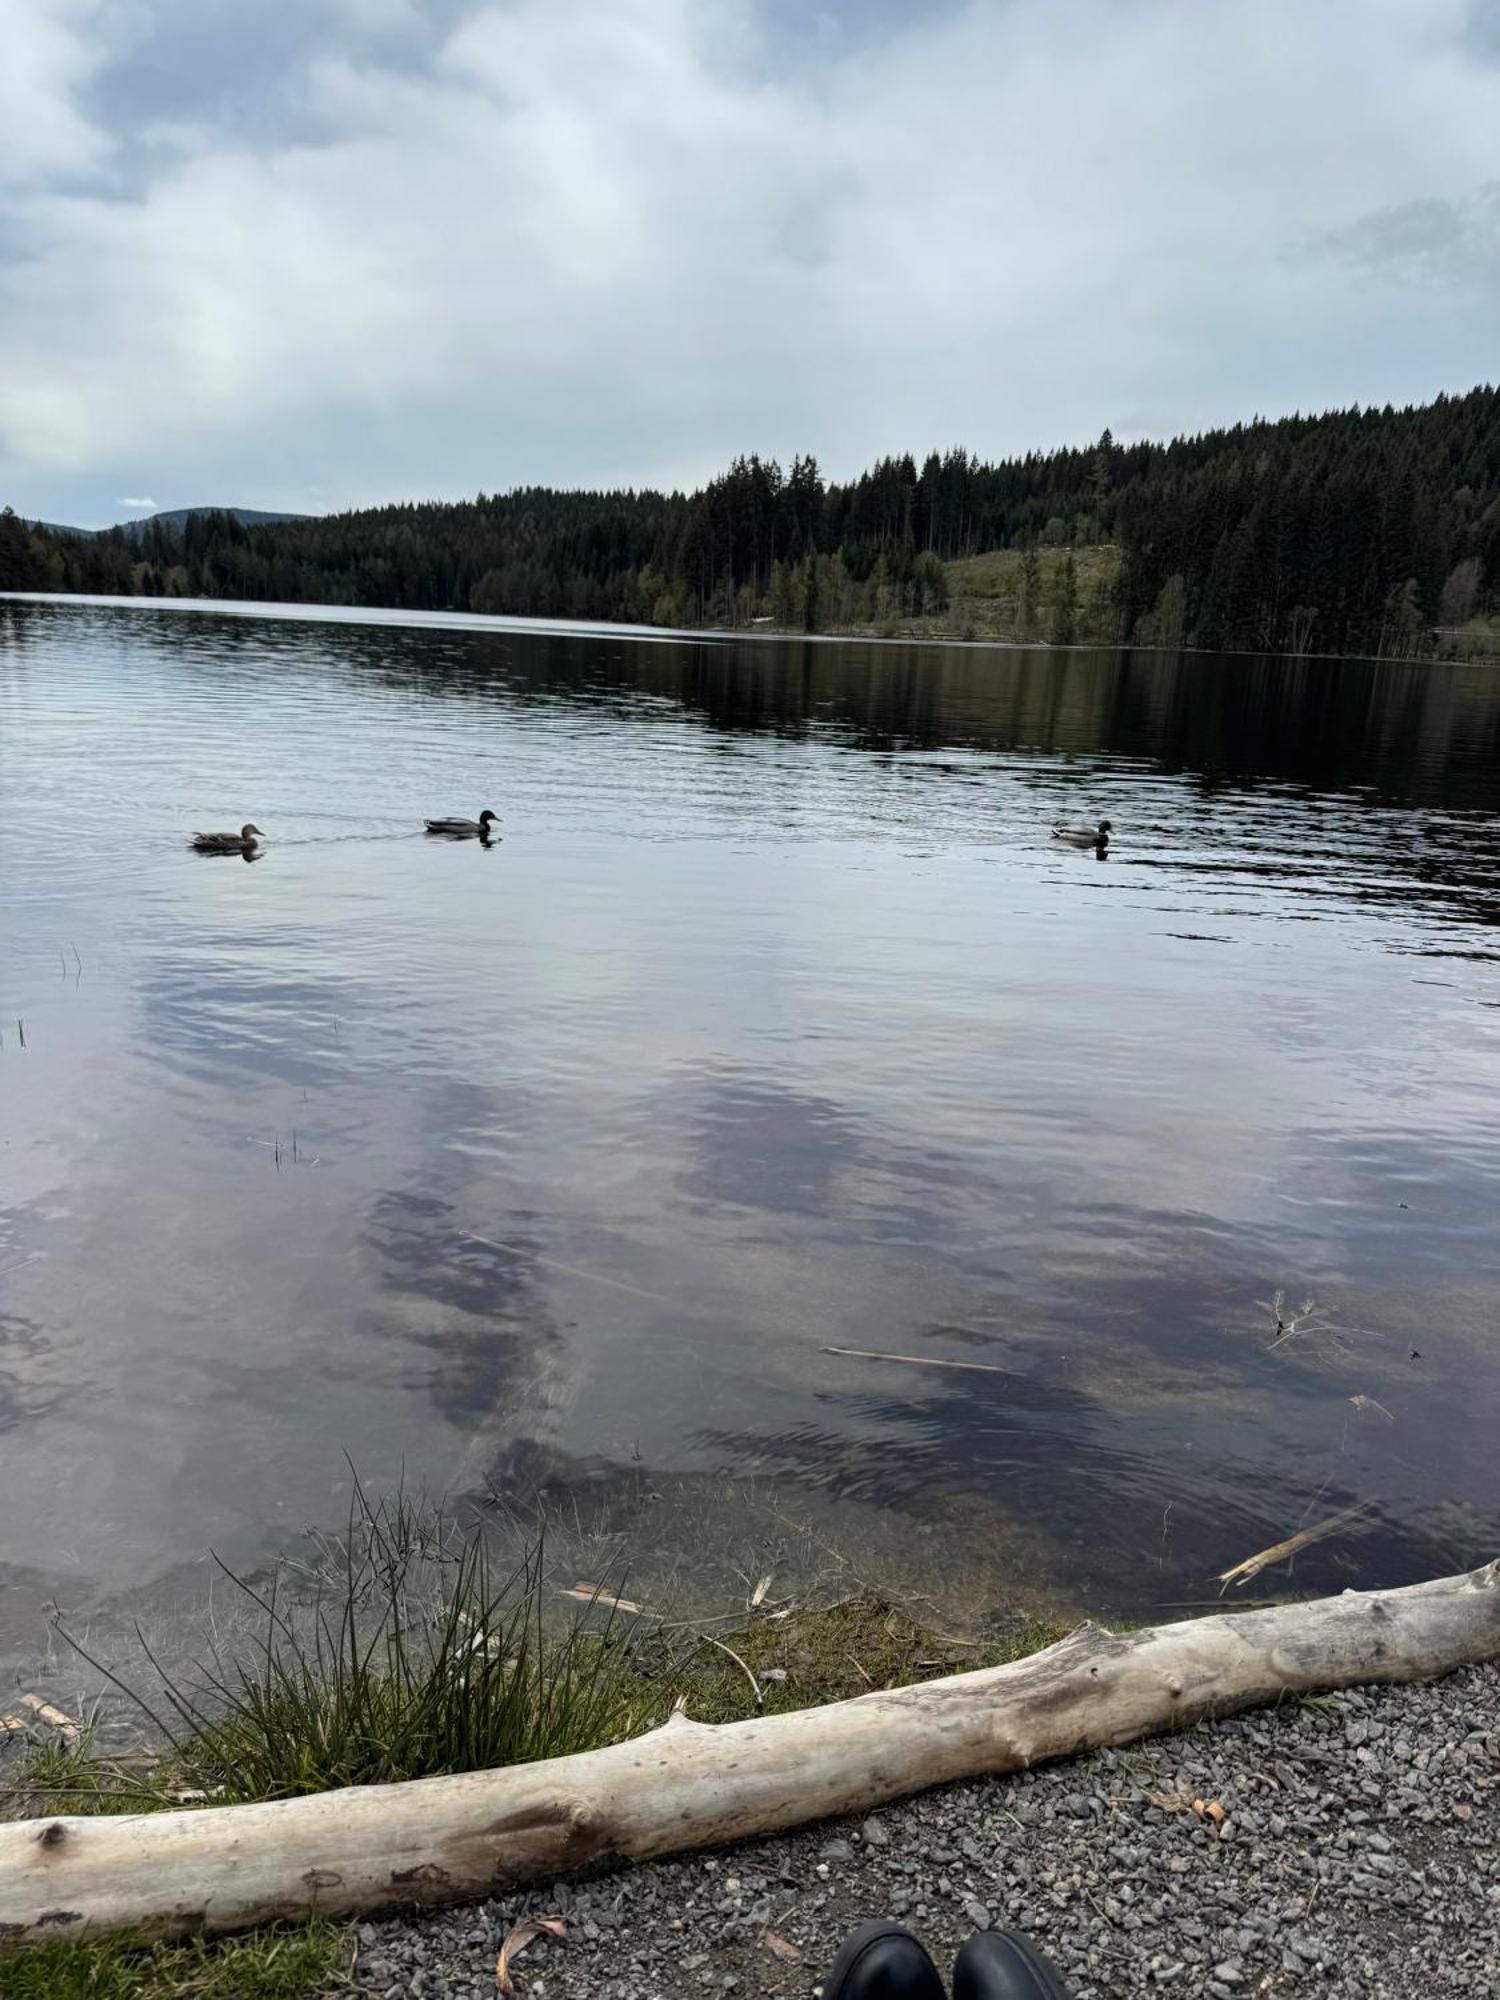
<point x="465" y="829"/>
<point x="1084" y="836"/>
<point x="242" y="842"/>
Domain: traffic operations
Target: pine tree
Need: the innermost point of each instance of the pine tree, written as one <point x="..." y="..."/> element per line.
<point x="811" y="592"/>
<point x="18" y="563"/>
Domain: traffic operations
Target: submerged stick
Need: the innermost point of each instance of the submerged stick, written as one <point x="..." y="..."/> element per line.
<point x="66" y="1726"/>
<point x="1242" y="1572"/>
<point x="573" y="1270"/>
<point x="917" y="1360"/>
<point x="688" y="1784"/>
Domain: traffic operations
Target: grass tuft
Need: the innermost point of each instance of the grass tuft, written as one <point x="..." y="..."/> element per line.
<point x="56" y="1777"/>
<point x="263" y="1965"/>
<point x="404" y="1651"/>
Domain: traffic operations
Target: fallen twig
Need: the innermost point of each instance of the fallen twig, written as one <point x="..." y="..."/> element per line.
<point x="754" y="1683"/>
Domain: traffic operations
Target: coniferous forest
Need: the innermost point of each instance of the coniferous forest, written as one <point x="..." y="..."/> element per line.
<point x="1361" y="531"/>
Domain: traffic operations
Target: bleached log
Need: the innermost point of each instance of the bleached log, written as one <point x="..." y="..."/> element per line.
<point x="689" y="1785"/>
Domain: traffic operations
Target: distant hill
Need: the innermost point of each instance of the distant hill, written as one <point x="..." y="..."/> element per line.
<point x="175" y="519"/>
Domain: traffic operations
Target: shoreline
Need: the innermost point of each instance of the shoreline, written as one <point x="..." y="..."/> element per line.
<point x="1306" y="1882"/>
<point x="1343" y="1845"/>
<point x="485" y="621"/>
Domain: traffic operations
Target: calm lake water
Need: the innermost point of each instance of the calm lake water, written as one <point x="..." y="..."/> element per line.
<point x="774" y="1024"/>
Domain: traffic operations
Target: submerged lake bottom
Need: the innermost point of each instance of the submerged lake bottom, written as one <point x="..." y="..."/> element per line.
<point x="773" y="1152"/>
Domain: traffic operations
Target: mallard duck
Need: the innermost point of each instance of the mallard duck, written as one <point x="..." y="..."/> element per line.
<point x="1084" y="836"/>
<point x="228" y="843"/>
<point x="465" y="829"/>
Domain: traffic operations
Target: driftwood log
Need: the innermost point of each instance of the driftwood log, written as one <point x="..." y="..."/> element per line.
<point x="687" y="1785"/>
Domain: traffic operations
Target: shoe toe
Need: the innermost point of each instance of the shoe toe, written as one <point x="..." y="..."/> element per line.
<point x="881" y="1961"/>
<point x="1003" y="1965"/>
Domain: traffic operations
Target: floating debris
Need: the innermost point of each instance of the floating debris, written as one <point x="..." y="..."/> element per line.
<point x="1369" y="1403"/>
<point x="1290" y="1324"/>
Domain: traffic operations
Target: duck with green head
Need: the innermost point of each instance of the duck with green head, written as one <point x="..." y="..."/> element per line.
<point x="1084" y="836"/>
<point x="466" y="829"/>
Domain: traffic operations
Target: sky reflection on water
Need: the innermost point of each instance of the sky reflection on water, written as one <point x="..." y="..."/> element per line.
<point x="773" y="1023"/>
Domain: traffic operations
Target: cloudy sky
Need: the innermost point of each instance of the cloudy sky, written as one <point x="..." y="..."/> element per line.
<point x="315" y="253"/>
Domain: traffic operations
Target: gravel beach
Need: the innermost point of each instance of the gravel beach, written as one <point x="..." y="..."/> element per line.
<point x="1341" y="1846"/>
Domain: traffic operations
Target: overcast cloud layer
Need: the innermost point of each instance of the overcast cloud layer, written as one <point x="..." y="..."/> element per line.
<point x="318" y="253"/>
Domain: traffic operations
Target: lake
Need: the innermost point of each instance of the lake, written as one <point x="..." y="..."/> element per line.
<point x="775" y="1023"/>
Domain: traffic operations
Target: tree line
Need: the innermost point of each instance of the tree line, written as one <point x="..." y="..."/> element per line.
<point x="1366" y="530"/>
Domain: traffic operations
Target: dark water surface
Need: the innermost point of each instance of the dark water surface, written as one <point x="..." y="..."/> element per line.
<point x="774" y="1023"/>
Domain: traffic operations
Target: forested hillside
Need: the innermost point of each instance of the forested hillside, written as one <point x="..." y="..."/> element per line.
<point x="1360" y="531"/>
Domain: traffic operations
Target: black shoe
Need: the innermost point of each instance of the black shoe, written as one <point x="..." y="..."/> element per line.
<point x="1003" y="1965"/>
<point x="882" y="1962"/>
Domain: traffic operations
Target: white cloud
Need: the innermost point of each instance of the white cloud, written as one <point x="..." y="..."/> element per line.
<point x="51" y="51"/>
<point x="558" y="239"/>
<point x="139" y="506"/>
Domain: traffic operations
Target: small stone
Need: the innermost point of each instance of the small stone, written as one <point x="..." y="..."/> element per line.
<point x="874" y="1834"/>
<point x="977" y="1914"/>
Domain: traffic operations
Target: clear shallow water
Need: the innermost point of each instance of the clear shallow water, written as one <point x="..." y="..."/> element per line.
<point x="774" y="1023"/>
